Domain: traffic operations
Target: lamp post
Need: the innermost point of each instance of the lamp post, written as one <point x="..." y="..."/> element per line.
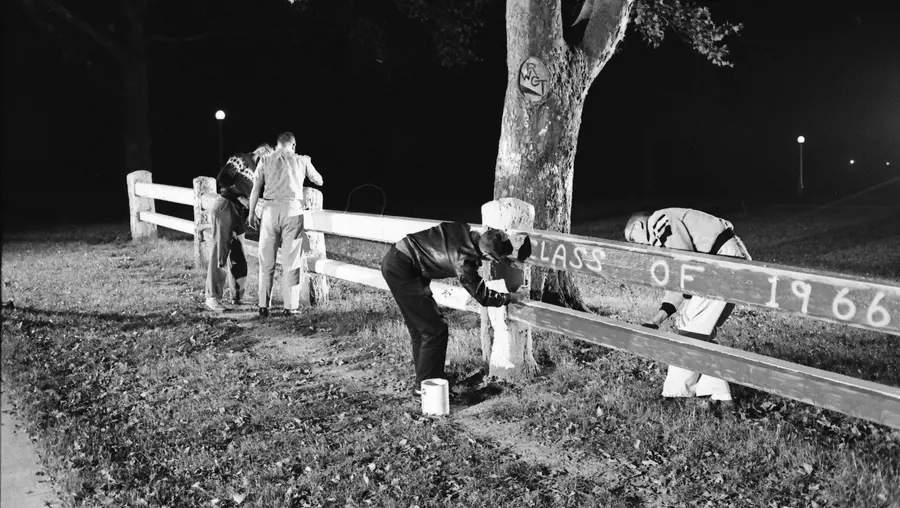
<point x="220" y="116"/>
<point x="800" y="141"/>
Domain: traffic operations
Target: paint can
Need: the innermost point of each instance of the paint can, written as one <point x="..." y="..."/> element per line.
<point x="435" y="397"/>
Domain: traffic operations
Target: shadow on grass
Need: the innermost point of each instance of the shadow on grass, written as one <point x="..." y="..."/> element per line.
<point x="93" y="234"/>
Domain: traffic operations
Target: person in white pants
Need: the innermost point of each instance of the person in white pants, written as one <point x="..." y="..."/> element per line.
<point x="699" y="318"/>
<point x="279" y="178"/>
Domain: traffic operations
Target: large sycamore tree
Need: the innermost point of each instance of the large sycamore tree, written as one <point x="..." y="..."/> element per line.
<point x="572" y="41"/>
<point x="555" y="49"/>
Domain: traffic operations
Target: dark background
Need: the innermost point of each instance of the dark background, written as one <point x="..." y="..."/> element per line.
<point x="392" y="116"/>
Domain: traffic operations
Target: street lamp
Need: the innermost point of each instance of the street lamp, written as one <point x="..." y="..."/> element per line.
<point x="800" y="141"/>
<point x="852" y="161"/>
<point x="220" y="116"/>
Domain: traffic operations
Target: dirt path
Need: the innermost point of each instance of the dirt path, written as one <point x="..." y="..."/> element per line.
<point x="316" y="346"/>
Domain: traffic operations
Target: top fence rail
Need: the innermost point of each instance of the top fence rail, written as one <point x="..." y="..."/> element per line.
<point x="855" y="301"/>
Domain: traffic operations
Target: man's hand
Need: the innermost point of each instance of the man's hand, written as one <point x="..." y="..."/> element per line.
<point x="254" y="220"/>
<point x="519" y="296"/>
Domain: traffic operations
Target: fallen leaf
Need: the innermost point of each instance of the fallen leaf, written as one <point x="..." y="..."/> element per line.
<point x="808" y="468"/>
<point x="239" y="498"/>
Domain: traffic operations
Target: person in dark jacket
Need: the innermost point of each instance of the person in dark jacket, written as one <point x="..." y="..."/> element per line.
<point x="450" y="249"/>
<point x="230" y="211"/>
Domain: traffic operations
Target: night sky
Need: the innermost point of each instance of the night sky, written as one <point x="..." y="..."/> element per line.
<point x="389" y="114"/>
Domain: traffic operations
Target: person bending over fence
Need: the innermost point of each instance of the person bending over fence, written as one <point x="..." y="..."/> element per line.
<point x="450" y="249"/>
<point x="279" y="178"/>
<point x="229" y="213"/>
<point x="699" y="318"/>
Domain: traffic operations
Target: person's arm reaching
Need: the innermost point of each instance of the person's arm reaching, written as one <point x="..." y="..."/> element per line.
<point x="474" y="284"/>
<point x="258" y="182"/>
<point x="662" y="234"/>
<point x="311" y="172"/>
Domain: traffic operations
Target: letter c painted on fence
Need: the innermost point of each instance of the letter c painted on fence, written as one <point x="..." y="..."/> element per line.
<point x="665" y="278"/>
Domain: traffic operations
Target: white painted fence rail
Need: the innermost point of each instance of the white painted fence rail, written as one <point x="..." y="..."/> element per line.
<point x="802" y="292"/>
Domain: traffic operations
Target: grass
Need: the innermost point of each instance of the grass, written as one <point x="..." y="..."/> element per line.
<point x="139" y="398"/>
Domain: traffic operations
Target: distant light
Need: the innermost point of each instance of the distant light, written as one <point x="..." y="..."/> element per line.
<point x="220" y="115"/>
<point x="801" y="140"/>
<point x="852" y="161"/>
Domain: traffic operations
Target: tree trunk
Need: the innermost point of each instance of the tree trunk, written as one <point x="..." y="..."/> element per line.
<point x="137" y="117"/>
<point x="538" y="138"/>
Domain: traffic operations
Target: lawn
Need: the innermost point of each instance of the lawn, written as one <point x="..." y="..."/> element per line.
<point x="138" y="397"/>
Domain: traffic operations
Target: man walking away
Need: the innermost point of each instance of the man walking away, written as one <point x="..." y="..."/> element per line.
<point x="450" y="249"/>
<point x="279" y="178"/>
<point x="689" y="230"/>
<point x="229" y="213"/>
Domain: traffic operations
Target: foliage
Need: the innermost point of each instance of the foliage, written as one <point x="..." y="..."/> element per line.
<point x="455" y="25"/>
<point x="691" y="22"/>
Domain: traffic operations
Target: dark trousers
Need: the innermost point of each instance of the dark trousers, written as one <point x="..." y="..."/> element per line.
<point x="228" y="231"/>
<point x="428" y="330"/>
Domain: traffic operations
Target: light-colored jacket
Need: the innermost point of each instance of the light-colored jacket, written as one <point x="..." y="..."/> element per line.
<point x="685" y="229"/>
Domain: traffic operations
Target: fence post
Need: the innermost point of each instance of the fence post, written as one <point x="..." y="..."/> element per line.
<point x="313" y="287"/>
<point x="510" y="356"/>
<point x="203" y="230"/>
<point x="138" y="204"/>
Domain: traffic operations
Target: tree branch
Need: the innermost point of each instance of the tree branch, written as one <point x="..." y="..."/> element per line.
<point x="607" y="21"/>
<point x="35" y="16"/>
<point x="693" y="25"/>
<point x="117" y="51"/>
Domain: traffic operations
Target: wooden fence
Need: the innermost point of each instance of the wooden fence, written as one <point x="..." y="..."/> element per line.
<point x="854" y="301"/>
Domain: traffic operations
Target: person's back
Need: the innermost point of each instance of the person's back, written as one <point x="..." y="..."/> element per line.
<point x="689" y="229"/>
<point x="440" y="252"/>
<point x="284" y="173"/>
<point x="279" y="181"/>
<point x="235" y="179"/>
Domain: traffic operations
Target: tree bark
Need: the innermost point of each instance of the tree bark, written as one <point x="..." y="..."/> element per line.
<point x="538" y="140"/>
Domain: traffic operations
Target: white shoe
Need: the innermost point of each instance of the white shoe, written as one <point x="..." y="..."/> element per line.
<point x="215" y="304"/>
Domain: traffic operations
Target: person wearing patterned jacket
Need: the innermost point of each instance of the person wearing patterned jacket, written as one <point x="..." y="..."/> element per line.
<point x="229" y="213"/>
<point x="699" y="318"/>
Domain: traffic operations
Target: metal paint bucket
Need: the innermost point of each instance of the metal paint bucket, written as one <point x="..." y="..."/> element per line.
<point x="435" y="397"/>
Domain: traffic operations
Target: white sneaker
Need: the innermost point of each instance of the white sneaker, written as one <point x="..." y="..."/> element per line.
<point x="215" y="304"/>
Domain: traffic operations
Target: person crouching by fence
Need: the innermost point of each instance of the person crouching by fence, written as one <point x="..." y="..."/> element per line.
<point x="229" y="213"/>
<point x="699" y="318"/>
<point x="450" y="249"/>
<point x="279" y="178"/>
